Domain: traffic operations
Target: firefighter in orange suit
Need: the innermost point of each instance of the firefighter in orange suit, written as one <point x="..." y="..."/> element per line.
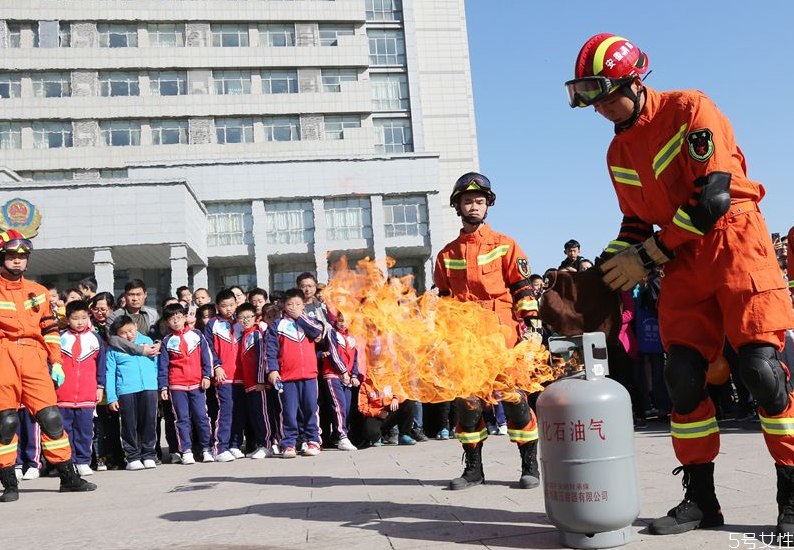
<point x="29" y="338"/>
<point x="487" y="267"/>
<point x="675" y="164"/>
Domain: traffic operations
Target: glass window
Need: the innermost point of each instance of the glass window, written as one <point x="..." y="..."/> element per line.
<point x="384" y="10"/>
<point x="386" y="47"/>
<point x="34" y="28"/>
<point x="52" y="84"/>
<point x="234" y="130"/>
<point x="10" y="135"/>
<point x="10" y="85"/>
<point x="14" y="35"/>
<point x="166" y="35"/>
<point x="277" y="35"/>
<point x="282" y="128"/>
<point x="229" y="35"/>
<point x="113" y="173"/>
<point x="279" y="82"/>
<point x="120" y="133"/>
<point x="332" y="78"/>
<point x="168" y="83"/>
<point x="389" y="92"/>
<point x="114" y="83"/>
<point x="405" y="216"/>
<point x="329" y="34"/>
<point x="348" y="219"/>
<point x="284" y="276"/>
<point x="64" y="34"/>
<point x="289" y="222"/>
<point x="228" y="223"/>
<point x="118" y="35"/>
<point x="335" y="125"/>
<point x="53" y="175"/>
<point x="170" y="132"/>
<point x="52" y="134"/>
<point x="244" y="277"/>
<point x="393" y="135"/>
<point x="232" y="82"/>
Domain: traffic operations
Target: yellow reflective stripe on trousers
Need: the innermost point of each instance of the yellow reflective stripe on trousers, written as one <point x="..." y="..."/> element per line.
<point x="57" y="444"/>
<point x="8" y="305"/>
<point x="472" y="437"/>
<point x="626" y="175"/>
<point x="667" y="153"/>
<point x="682" y="220"/>
<point x="777" y="426"/>
<point x="693" y="430"/>
<point x="522" y="436"/>
<point x="616" y="246"/>
<point x="8" y="449"/>
<point x="497" y="252"/>
<point x="791" y="284"/>
<point x="37" y="301"/>
<point x="451" y="263"/>
<point x="527" y="304"/>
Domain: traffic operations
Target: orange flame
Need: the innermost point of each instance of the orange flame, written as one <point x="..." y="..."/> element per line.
<point x="432" y="349"/>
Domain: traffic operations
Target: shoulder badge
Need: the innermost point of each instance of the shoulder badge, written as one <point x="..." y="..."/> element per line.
<point x="701" y="144"/>
<point x="523" y="267"/>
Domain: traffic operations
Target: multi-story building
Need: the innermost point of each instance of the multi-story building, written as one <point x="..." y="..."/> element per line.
<point x="218" y="142"/>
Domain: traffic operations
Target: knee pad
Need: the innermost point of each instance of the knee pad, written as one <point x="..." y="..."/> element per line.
<point x="685" y="377"/>
<point x="518" y="413"/>
<point x="469" y="413"/>
<point x="9" y="422"/>
<point x="51" y="422"/>
<point x="764" y="376"/>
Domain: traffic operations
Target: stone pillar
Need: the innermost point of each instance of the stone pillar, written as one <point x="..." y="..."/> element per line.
<point x="178" y="267"/>
<point x="103" y="270"/>
<point x="200" y="277"/>
<point x="261" y="256"/>
<point x="378" y="232"/>
<point x="320" y="240"/>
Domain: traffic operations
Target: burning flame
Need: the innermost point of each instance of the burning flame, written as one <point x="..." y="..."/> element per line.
<point x="432" y="349"/>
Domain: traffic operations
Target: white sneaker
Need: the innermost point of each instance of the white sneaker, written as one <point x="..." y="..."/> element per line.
<point x="237" y="453"/>
<point x="225" y="456"/>
<point x="135" y="465"/>
<point x="149" y="464"/>
<point x="345" y="445"/>
<point x="276" y="449"/>
<point x="502" y="430"/>
<point x="187" y="458"/>
<point x="101" y="467"/>
<point x="18" y="472"/>
<point x="84" y="470"/>
<point x="261" y="452"/>
<point x="206" y="456"/>
<point x="176" y="458"/>
<point x="304" y="447"/>
<point x="31" y="473"/>
<point x="312" y="449"/>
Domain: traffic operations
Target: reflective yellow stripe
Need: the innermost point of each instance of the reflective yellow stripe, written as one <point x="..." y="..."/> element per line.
<point x="522" y="435"/>
<point x="626" y="175"/>
<point x="497" y="252"/>
<point x="600" y="54"/>
<point x="527" y="304"/>
<point x="8" y="449"/>
<point x="682" y="220"/>
<point x="52" y="339"/>
<point x="37" y="301"/>
<point x="694" y="430"/>
<point x="616" y="246"/>
<point x="667" y="153"/>
<point x="451" y="263"/>
<point x="791" y="284"/>
<point x="777" y="426"/>
<point x="8" y="305"/>
<point x="57" y="444"/>
<point x="473" y="437"/>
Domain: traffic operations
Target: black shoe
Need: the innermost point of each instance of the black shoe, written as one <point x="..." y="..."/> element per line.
<point x="10" y="485"/>
<point x="699" y="509"/>
<point x="785" y="503"/>
<point x="472" y="474"/>
<point x="419" y="435"/>
<point x="530" y="476"/>
<point x="71" y="482"/>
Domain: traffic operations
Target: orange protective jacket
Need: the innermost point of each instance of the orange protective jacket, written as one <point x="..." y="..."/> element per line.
<point x="790" y="260"/>
<point x="371" y="400"/>
<point x="25" y="314"/>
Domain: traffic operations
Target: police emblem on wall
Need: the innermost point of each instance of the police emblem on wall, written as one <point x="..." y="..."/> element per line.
<point x="22" y="216"/>
<point x="701" y="145"/>
<point x="523" y="267"/>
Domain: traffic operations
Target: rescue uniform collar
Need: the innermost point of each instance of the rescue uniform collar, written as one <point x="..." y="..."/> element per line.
<point x="11" y="285"/>
<point x="653" y="101"/>
<point x="482" y="232"/>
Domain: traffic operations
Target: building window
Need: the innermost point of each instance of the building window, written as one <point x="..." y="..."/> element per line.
<point x="405" y="216"/>
<point x="170" y="132"/>
<point x="52" y="135"/>
<point x="120" y="133"/>
<point x="10" y="85"/>
<point x="277" y="35"/>
<point x="231" y="35"/>
<point x="384" y="10"/>
<point x="168" y="83"/>
<point x="282" y="128"/>
<point x="335" y="125"/>
<point x="244" y="277"/>
<point x="166" y="35"/>
<point x="279" y="82"/>
<point x="329" y="34"/>
<point x="228" y="224"/>
<point x="284" y="276"/>
<point x="53" y="175"/>
<point x="118" y="35"/>
<point x="34" y="28"/>
<point x="112" y="84"/>
<point x="348" y="219"/>
<point x="14" y="35"/>
<point x="113" y="173"/>
<point x="10" y="135"/>
<point x="234" y="130"/>
<point x="52" y="84"/>
<point x="232" y="82"/>
<point x="333" y="78"/>
<point x="389" y="92"/>
<point x="393" y="135"/>
<point x="64" y="34"/>
<point x="289" y="222"/>
<point x="386" y="47"/>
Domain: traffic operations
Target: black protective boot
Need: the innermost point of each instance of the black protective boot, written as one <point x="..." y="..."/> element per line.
<point x="472" y="474"/>
<point x="785" y="504"/>
<point x="698" y="510"/>
<point x="10" y="485"/>
<point x="530" y="477"/>
<point x="71" y="482"/>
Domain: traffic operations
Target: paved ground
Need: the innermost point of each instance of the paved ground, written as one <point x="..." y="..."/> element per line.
<point x="386" y="498"/>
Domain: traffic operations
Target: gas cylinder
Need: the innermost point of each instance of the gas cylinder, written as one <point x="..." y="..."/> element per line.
<point x="586" y="434"/>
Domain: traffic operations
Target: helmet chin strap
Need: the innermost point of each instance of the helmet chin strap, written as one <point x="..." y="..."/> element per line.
<point x="636" y="99"/>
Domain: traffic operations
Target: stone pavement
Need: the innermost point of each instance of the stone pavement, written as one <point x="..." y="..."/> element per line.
<point x="382" y="498"/>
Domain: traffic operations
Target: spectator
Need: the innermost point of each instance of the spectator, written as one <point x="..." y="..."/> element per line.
<point x="270" y="313"/>
<point x="254" y="409"/>
<point x="201" y="296"/>
<point x="650" y="344"/>
<point x="382" y="411"/>
<point x="185" y="295"/>
<point x="159" y="329"/>
<point x="87" y="287"/>
<point x="71" y="295"/>
<point x="239" y="295"/>
<point x="101" y="306"/>
<point x="537" y="285"/>
<point x="28" y="447"/>
<point x="143" y="316"/>
<point x="204" y="314"/>
<point x="572" y="249"/>
<point x="258" y="297"/>
<point x="340" y="375"/>
<point x="313" y="306"/>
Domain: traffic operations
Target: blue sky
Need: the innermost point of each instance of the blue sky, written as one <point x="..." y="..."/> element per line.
<point x="547" y="161"/>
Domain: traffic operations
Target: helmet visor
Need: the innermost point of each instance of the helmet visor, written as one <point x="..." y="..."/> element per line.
<point x="583" y="92"/>
<point x="21" y="246"/>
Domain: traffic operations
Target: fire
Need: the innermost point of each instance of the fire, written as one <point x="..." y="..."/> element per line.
<point x="432" y="349"/>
